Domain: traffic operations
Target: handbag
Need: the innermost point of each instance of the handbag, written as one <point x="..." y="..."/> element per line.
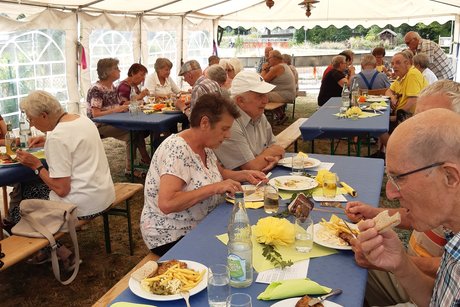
<point x="44" y="218"/>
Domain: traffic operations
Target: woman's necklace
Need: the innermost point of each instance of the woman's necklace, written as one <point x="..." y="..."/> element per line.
<point x="59" y="119"/>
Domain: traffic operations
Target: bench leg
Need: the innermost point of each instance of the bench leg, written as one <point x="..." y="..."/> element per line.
<point x="108" y="248"/>
<point x="130" y="232"/>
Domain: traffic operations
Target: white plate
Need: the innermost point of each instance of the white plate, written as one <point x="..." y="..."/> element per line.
<point x="8" y="164"/>
<point x="290" y="302"/>
<point x="299" y="183"/>
<point x="136" y="288"/>
<point x="310" y="163"/>
<point x="256" y="196"/>
<point x="319" y="240"/>
<point x="376" y="99"/>
<point x="380" y="108"/>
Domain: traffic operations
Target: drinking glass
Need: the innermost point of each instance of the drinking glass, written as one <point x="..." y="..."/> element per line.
<point x="364" y="92"/>
<point x="298" y="165"/>
<point x="239" y="300"/>
<point x="303" y="234"/>
<point x="218" y="285"/>
<point x="330" y="185"/>
<point x="271" y="199"/>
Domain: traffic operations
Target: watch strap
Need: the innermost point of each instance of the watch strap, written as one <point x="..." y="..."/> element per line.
<point x="37" y="171"/>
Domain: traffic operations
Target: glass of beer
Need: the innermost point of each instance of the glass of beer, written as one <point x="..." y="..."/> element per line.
<point x="330" y="185"/>
<point x="271" y="199"/>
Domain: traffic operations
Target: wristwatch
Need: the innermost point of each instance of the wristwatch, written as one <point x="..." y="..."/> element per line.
<point x="37" y="171"/>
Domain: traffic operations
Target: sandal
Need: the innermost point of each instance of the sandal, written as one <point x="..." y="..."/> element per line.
<point x="137" y="174"/>
<point x="40" y="257"/>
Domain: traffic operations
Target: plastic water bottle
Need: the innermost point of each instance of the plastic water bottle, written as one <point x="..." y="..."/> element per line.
<point x="239" y="245"/>
<point x="345" y="96"/>
<point x="24" y="131"/>
<point x="354" y="93"/>
<point x="10" y="140"/>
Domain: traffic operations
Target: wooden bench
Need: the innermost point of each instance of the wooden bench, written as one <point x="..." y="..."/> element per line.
<point x="18" y="248"/>
<point x="121" y="285"/>
<point x="290" y="135"/>
<point x="271" y="108"/>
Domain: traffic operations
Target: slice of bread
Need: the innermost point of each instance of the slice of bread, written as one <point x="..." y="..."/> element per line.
<point x="384" y="221"/>
<point x="147" y="270"/>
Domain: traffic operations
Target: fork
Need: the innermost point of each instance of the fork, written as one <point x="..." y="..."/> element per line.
<point x="186" y="295"/>
<point x="258" y="185"/>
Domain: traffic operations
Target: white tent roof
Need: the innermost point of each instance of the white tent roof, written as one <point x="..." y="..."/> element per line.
<point x="255" y="13"/>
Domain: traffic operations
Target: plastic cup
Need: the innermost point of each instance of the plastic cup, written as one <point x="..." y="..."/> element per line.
<point x="271" y="199"/>
<point x="303" y="234"/>
<point x="330" y="185"/>
<point x="218" y="285"/>
<point x="298" y="165"/>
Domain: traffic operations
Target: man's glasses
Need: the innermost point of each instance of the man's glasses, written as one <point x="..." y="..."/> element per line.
<point x="394" y="179"/>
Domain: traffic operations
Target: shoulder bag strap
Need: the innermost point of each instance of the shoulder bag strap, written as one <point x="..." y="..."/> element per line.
<point x="48" y="235"/>
<point x="365" y="80"/>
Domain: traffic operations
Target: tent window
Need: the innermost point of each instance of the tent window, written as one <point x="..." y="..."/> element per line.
<point x="199" y="47"/>
<point x="30" y="60"/>
<point x="111" y="44"/>
<point x="162" y="45"/>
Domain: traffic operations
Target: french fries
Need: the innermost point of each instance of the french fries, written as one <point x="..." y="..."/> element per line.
<point x="173" y="281"/>
<point x="336" y="226"/>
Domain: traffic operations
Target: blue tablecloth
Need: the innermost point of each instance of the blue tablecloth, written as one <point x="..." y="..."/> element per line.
<point x="324" y="124"/>
<point x="335" y="271"/>
<point x="157" y="122"/>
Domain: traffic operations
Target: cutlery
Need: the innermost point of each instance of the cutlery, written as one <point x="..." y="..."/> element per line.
<point x="258" y="185"/>
<point x="186" y="296"/>
<point x="335" y="204"/>
<point x="328" y="211"/>
<point x="351" y="231"/>
<point x="320" y="299"/>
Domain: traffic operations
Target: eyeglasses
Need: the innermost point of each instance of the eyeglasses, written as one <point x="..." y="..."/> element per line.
<point x="394" y="179"/>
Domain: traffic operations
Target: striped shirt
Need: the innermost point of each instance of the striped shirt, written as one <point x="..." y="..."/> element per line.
<point x="440" y="64"/>
<point x="447" y="286"/>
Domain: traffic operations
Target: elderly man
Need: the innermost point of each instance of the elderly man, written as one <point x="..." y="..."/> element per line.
<point x="264" y="59"/>
<point x="333" y="82"/>
<point x="369" y="77"/>
<point x="440" y="64"/>
<point x="421" y="62"/>
<point x="252" y="143"/>
<point x="423" y="167"/>
<point x="192" y="73"/>
<point x="425" y="248"/>
<point x="279" y="74"/>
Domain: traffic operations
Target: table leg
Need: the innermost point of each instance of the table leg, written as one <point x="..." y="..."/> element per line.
<point x="332" y="147"/>
<point x="349" y="140"/>
<point x="131" y="149"/>
<point x="312" y="146"/>
<point x="358" y="147"/>
<point x="368" y="145"/>
<point x="5" y="208"/>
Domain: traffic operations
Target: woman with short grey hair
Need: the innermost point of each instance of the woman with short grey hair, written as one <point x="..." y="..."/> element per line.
<point x="160" y="83"/>
<point x="421" y="62"/>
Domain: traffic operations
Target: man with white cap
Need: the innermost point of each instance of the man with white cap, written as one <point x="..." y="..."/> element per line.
<point x="252" y="143"/>
<point x="192" y="73"/>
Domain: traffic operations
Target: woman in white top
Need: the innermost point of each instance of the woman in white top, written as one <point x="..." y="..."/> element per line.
<point x="421" y="62"/>
<point x="185" y="181"/>
<point x="160" y="83"/>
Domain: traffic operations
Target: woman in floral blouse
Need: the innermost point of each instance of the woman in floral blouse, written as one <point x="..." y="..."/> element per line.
<point x="185" y="182"/>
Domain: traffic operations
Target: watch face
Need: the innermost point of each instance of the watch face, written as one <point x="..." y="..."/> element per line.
<point x="36" y="171"/>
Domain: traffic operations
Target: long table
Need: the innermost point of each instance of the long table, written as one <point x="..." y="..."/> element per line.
<point x="323" y="124"/>
<point x="335" y="271"/>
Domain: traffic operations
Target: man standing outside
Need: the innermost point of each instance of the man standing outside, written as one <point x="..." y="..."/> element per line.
<point x="264" y="59"/>
<point x="252" y="143"/>
<point x="192" y="73"/>
<point x="440" y="64"/>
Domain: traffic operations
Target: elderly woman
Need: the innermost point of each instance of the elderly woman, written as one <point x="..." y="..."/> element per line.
<point x="130" y="86"/>
<point x="102" y="99"/>
<point x="421" y="62"/>
<point x="185" y="181"/>
<point x="232" y="66"/>
<point x="333" y="82"/>
<point x="160" y="83"/>
<point x="382" y="65"/>
<point x="279" y="74"/>
<point x="78" y="171"/>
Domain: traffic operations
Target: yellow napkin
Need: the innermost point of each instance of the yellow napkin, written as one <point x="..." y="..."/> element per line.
<point x="289" y="252"/>
<point x="292" y="288"/>
<point x="127" y="304"/>
<point x="39" y="154"/>
<point x="248" y="204"/>
<point x="316" y="192"/>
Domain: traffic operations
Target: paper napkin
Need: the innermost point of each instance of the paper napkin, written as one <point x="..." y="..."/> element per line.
<point x="292" y="288"/>
<point x="248" y="204"/>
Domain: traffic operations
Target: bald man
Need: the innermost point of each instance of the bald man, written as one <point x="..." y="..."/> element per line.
<point x="423" y="169"/>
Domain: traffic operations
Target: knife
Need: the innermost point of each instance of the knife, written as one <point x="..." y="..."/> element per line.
<point x="258" y="185"/>
<point x="320" y="299"/>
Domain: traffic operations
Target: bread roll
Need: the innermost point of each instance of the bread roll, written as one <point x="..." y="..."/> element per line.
<point x="147" y="270"/>
<point x="384" y="221"/>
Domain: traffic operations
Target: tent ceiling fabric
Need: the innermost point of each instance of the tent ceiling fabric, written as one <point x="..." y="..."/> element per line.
<point x="254" y="13"/>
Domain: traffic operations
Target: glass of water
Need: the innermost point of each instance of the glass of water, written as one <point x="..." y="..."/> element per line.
<point x="239" y="300"/>
<point x="218" y="285"/>
<point x="298" y="165"/>
<point x="304" y="234"/>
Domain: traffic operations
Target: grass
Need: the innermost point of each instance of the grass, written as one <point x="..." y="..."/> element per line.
<point x="29" y="285"/>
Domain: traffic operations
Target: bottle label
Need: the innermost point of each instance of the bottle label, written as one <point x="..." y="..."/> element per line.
<point x="236" y="267"/>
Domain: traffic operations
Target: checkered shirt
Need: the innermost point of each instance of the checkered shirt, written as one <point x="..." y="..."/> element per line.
<point x="440" y="64"/>
<point x="446" y="291"/>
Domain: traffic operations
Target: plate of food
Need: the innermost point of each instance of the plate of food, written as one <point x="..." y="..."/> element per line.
<point x="334" y="234"/>
<point x="294" y="183"/>
<point x="250" y="193"/>
<point x="309" y="162"/>
<point x="292" y="302"/>
<point x="163" y="281"/>
<point x="7" y="160"/>
<point x="170" y="110"/>
<point x="376" y="99"/>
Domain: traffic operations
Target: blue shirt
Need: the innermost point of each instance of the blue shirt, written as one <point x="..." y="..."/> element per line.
<point x="446" y="290"/>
